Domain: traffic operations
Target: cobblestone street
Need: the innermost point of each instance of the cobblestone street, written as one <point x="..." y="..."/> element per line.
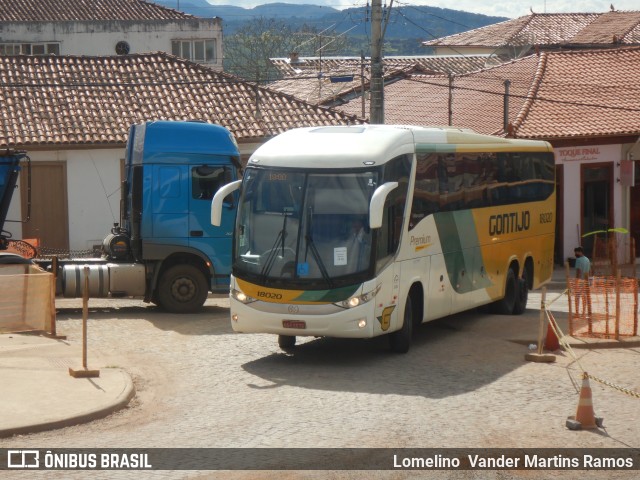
<point x="464" y="383"/>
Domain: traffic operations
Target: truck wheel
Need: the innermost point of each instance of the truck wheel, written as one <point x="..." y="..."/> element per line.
<point x="506" y="305"/>
<point x="400" y="340"/>
<point x="522" y="294"/>
<point x="182" y="289"/>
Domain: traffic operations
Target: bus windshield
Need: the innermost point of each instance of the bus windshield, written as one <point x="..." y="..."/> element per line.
<point x="305" y="229"/>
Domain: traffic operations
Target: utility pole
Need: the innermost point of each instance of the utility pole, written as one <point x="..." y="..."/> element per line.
<point x="376" y="107"/>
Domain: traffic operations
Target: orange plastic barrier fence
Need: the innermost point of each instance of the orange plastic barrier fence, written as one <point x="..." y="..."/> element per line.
<point x="603" y="307"/>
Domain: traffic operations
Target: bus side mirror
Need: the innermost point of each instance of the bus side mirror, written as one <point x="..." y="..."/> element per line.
<point x="218" y="201"/>
<point x="376" y="206"/>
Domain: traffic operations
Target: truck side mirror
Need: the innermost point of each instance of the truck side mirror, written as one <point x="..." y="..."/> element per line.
<point x="376" y="205"/>
<point x="218" y="201"/>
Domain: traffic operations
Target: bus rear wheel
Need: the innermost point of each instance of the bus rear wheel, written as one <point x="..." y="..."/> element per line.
<point x="400" y="341"/>
<point x="522" y="294"/>
<point x="506" y="305"/>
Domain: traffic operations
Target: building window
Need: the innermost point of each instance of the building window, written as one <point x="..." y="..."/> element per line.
<point x="202" y="51"/>
<point x="29" y="49"/>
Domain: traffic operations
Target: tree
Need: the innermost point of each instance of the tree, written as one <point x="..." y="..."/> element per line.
<point x="247" y="52"/>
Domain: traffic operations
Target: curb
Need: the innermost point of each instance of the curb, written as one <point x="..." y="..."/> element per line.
<point x="121" y="401"/>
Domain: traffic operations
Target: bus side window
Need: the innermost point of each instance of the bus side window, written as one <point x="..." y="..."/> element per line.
<point x="426" y="190"/>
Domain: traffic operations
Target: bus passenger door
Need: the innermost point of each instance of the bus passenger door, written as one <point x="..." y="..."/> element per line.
<point x="439" y="295"/>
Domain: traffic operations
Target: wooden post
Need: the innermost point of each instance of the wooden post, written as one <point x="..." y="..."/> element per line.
<point x="635" y="306"/>
<point x="52" y="320"/>
<point x="25" y="295"/>
<point x="568" y="278"/>
<point x="85" y="316"/>
<point x="85" y="372"/>
<point x="617" y="333"/>
<point x="539" y="356"/>
<point x="593" y="254"/>
<point x="54" y="268"/>
<point x="632" y="257"/>
<point x="587" y="299"/>
<point x="542" y="319"/>
<point x="52" y="307"/>
<point x="607" y="310"/>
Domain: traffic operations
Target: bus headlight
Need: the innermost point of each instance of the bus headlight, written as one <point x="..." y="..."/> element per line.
<point x="241" y="296"/>
<point x="358" y="300"/>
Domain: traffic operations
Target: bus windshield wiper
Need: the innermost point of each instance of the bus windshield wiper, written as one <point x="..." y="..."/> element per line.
<point x="273" y="252"/>
<point x="314" y="252"/>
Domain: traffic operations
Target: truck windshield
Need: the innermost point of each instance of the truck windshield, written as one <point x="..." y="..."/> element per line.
<point x="304" y="230"/>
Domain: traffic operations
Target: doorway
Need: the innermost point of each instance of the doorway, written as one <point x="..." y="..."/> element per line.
<point x="49" y="222"/>
<point x="597" y="203"/>
<point x="634" y="210"/>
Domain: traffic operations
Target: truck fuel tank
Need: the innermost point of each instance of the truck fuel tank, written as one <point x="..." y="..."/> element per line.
<point x="105" y="279"/>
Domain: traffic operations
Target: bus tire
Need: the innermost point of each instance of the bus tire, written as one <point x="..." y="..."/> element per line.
<point x="400" y="340"/>
<point x="182" y="289"/>
<point x="286" y="342"/>
<point x="522" y="294"/>
<point x="506" y="305"/>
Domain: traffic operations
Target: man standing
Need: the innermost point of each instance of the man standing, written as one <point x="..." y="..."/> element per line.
<point x="583" y="265"/>
<point x="583" y="269"/>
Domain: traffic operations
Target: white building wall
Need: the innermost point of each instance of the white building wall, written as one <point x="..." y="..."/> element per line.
<point x="93" y="194"/>
<point x="93" y="189"/>
<point x="572" y="158"/>
<point x="100" y="38"/>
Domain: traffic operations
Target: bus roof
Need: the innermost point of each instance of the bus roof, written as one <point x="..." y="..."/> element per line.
<point x="352" y="146"/>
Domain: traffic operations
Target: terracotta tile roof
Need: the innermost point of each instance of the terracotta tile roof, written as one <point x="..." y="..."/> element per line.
<point x="75" y="100"/>
<point x="326" y="87"/>
<point x="582" y="93"/>
<point x="624" y="25"/>
<point x="427" y="63"/>
<point x="551" y="29"/>
<point x="312" y="79"/>
<point x="84" y="10"/>
<point x="477" y="98"/>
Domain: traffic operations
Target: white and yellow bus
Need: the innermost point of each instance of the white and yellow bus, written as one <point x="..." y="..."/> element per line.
<point x="360" y="231"/>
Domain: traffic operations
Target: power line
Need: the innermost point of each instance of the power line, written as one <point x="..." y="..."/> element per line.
<point x="23" y="85"/>
<point x="527" y="97"/>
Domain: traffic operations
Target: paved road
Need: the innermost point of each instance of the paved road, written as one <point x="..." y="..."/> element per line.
<point x="464" y="383"/>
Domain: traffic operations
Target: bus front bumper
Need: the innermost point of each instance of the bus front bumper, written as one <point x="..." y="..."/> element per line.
<point x="355" y="322"/>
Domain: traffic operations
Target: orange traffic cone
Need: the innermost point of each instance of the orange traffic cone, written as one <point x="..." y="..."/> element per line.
<point x="551" y="343"/>
<point x="585" y="417"/>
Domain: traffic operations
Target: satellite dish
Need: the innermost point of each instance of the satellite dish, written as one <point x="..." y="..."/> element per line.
<point x="122" y="48"/>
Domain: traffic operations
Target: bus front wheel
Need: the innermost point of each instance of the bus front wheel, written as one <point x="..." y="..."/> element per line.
<point x="286" y="342"/>
<point x="400" y="341"/>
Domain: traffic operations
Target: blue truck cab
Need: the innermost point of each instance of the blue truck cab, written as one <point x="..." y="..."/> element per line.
<point x="172" y="171"/>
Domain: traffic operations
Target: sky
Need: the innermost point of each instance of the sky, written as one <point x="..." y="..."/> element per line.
<point x="501" y="8"/>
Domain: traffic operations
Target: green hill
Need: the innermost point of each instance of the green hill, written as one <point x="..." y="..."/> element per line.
<point x="407" y="27"/>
